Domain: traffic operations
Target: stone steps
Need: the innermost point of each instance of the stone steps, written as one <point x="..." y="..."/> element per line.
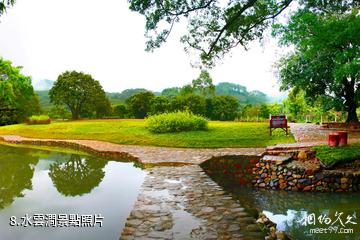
<point x="277" y="159"/>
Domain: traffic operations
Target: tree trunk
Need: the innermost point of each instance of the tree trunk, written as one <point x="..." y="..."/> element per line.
<point x="352" y="116"/>
<point x="75" y="115"/>
<point x="350" y="102"/>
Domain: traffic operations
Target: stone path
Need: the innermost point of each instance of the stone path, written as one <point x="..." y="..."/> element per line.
<point x="307" y="132"/>
<point x="184" y="203"/>
<point x="144" y="154"/>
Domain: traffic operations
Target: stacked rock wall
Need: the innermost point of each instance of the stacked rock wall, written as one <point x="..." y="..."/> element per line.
<point x="291" y="174"/>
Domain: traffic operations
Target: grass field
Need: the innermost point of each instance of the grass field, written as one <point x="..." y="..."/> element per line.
<point x="220" y="134"/>
<point x="332" y="155"/>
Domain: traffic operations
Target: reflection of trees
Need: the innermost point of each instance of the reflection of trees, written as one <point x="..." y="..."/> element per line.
<point x="77" y="176"/>
<point x="16" y="172"/>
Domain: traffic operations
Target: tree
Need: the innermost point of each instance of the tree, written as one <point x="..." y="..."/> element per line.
<point x="16" y="94"/>
<point x="160" y="104"/>
<point x="190" y="102"/>
<point x="59" y="111"/>
<point x="204" y="84"/>
<point x="125" y="94"/>
<point x="78" y="91"/>
<point x="171" y="92"/>
<point x="121" y="111"/>
<point x="139" y="105"/>
<point x="325" y="63"/>
<point x="4" y="4"/>
<point x="224" y="108"/>
<point x="214" y="28"/>
<point x="264" y="111"/>
<point x="187" y="89"/>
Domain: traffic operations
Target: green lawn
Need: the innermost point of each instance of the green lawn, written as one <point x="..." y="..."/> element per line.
<point x="220" y="134"/>
<point x="332" y="155"/>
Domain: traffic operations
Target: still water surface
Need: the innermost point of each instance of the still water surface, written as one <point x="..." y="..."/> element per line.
<point x="289" y="209"/>
<point x="43" y="182"/>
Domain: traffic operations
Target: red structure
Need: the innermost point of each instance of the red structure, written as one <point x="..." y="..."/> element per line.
<point x="343" y="138"/>
<point x="333" y="140"/>
<point x="279" y="122"/>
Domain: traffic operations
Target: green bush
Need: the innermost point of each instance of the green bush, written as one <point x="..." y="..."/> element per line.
<point x="39" y="119"/>
<point x="176" y="122"/>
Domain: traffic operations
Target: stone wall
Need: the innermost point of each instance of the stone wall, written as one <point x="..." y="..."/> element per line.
<point x="293" y="174"/>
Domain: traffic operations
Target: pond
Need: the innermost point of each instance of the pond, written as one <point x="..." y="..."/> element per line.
<point x="293" y="212"/>
<point x="50" y="189"/>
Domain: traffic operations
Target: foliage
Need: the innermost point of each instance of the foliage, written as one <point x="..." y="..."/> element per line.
<point x="78" y="176"/>
<point x="15" y="175"/>
<point x="176" y="122"/>
<point x="116" y="98"/>
<point x="171" y="92"/>
<point x="121" y="111"/>
<point x="190" y="102"/>
<point x="215" y="27"/>
<point x="250" y="110"/>
<point x="204" y="84"/>
<point x="59" y="112"/>
<point x="79" y="92"/>
<point x="4" y="4"/>
<point x="332" y="155"/>
<point x="134" y="132"/>
<point x="16" y="92"/>
<point x="102" y="107"/>
<point x="241" y="93"/>
<point x="39" y="119"/>
<point x="139" y="104"/>
<point x="264" y="111"/>
<point x="160" y="104"/>
<point x="325" y="63"/>
<point x="222" y="108"/>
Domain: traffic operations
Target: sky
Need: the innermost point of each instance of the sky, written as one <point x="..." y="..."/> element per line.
<point x="48" y="37"/>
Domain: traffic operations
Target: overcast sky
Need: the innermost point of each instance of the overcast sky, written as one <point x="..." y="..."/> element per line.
<point x="48" y="37"/>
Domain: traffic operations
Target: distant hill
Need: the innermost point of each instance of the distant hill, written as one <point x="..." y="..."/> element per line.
<point x="116" y="98"/>
<point x="224" y="88"/>
<point x="241" y="93"/>
<point x="43" y="85"/>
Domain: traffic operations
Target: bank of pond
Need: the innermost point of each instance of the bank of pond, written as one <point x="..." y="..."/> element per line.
<point x="47" y="184"/>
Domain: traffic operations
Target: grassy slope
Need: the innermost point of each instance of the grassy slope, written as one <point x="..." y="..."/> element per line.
<point x="330" y="155"/>
<point x="220" y="134"/>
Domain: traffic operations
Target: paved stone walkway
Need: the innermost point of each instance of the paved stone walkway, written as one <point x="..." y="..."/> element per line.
<point x="184" y="203"/>
<point x="144" y="154"/>
<point x="307" y="132"/>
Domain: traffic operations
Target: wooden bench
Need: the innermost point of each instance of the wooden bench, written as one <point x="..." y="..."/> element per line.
<point x="278" y="122"/>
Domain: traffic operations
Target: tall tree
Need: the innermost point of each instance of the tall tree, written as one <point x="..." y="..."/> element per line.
<point x="204" y="84"/>
<point x="139" y="104"/>
<point x="215" y="27"/>
<point x="16" y="93"/>
<point x="325" y="62"/>
<point x="78" y="91"/>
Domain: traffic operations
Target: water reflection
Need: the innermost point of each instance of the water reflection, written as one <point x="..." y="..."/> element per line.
<point x="288" y="209"/>
<point x="78" y="175"/>
<point x="44" y="182"/>
<point x="16" y="172"/>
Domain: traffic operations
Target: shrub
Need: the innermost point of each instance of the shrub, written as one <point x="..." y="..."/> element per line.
<point x="176" y="122"/>
<point x="39" y="119"/>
